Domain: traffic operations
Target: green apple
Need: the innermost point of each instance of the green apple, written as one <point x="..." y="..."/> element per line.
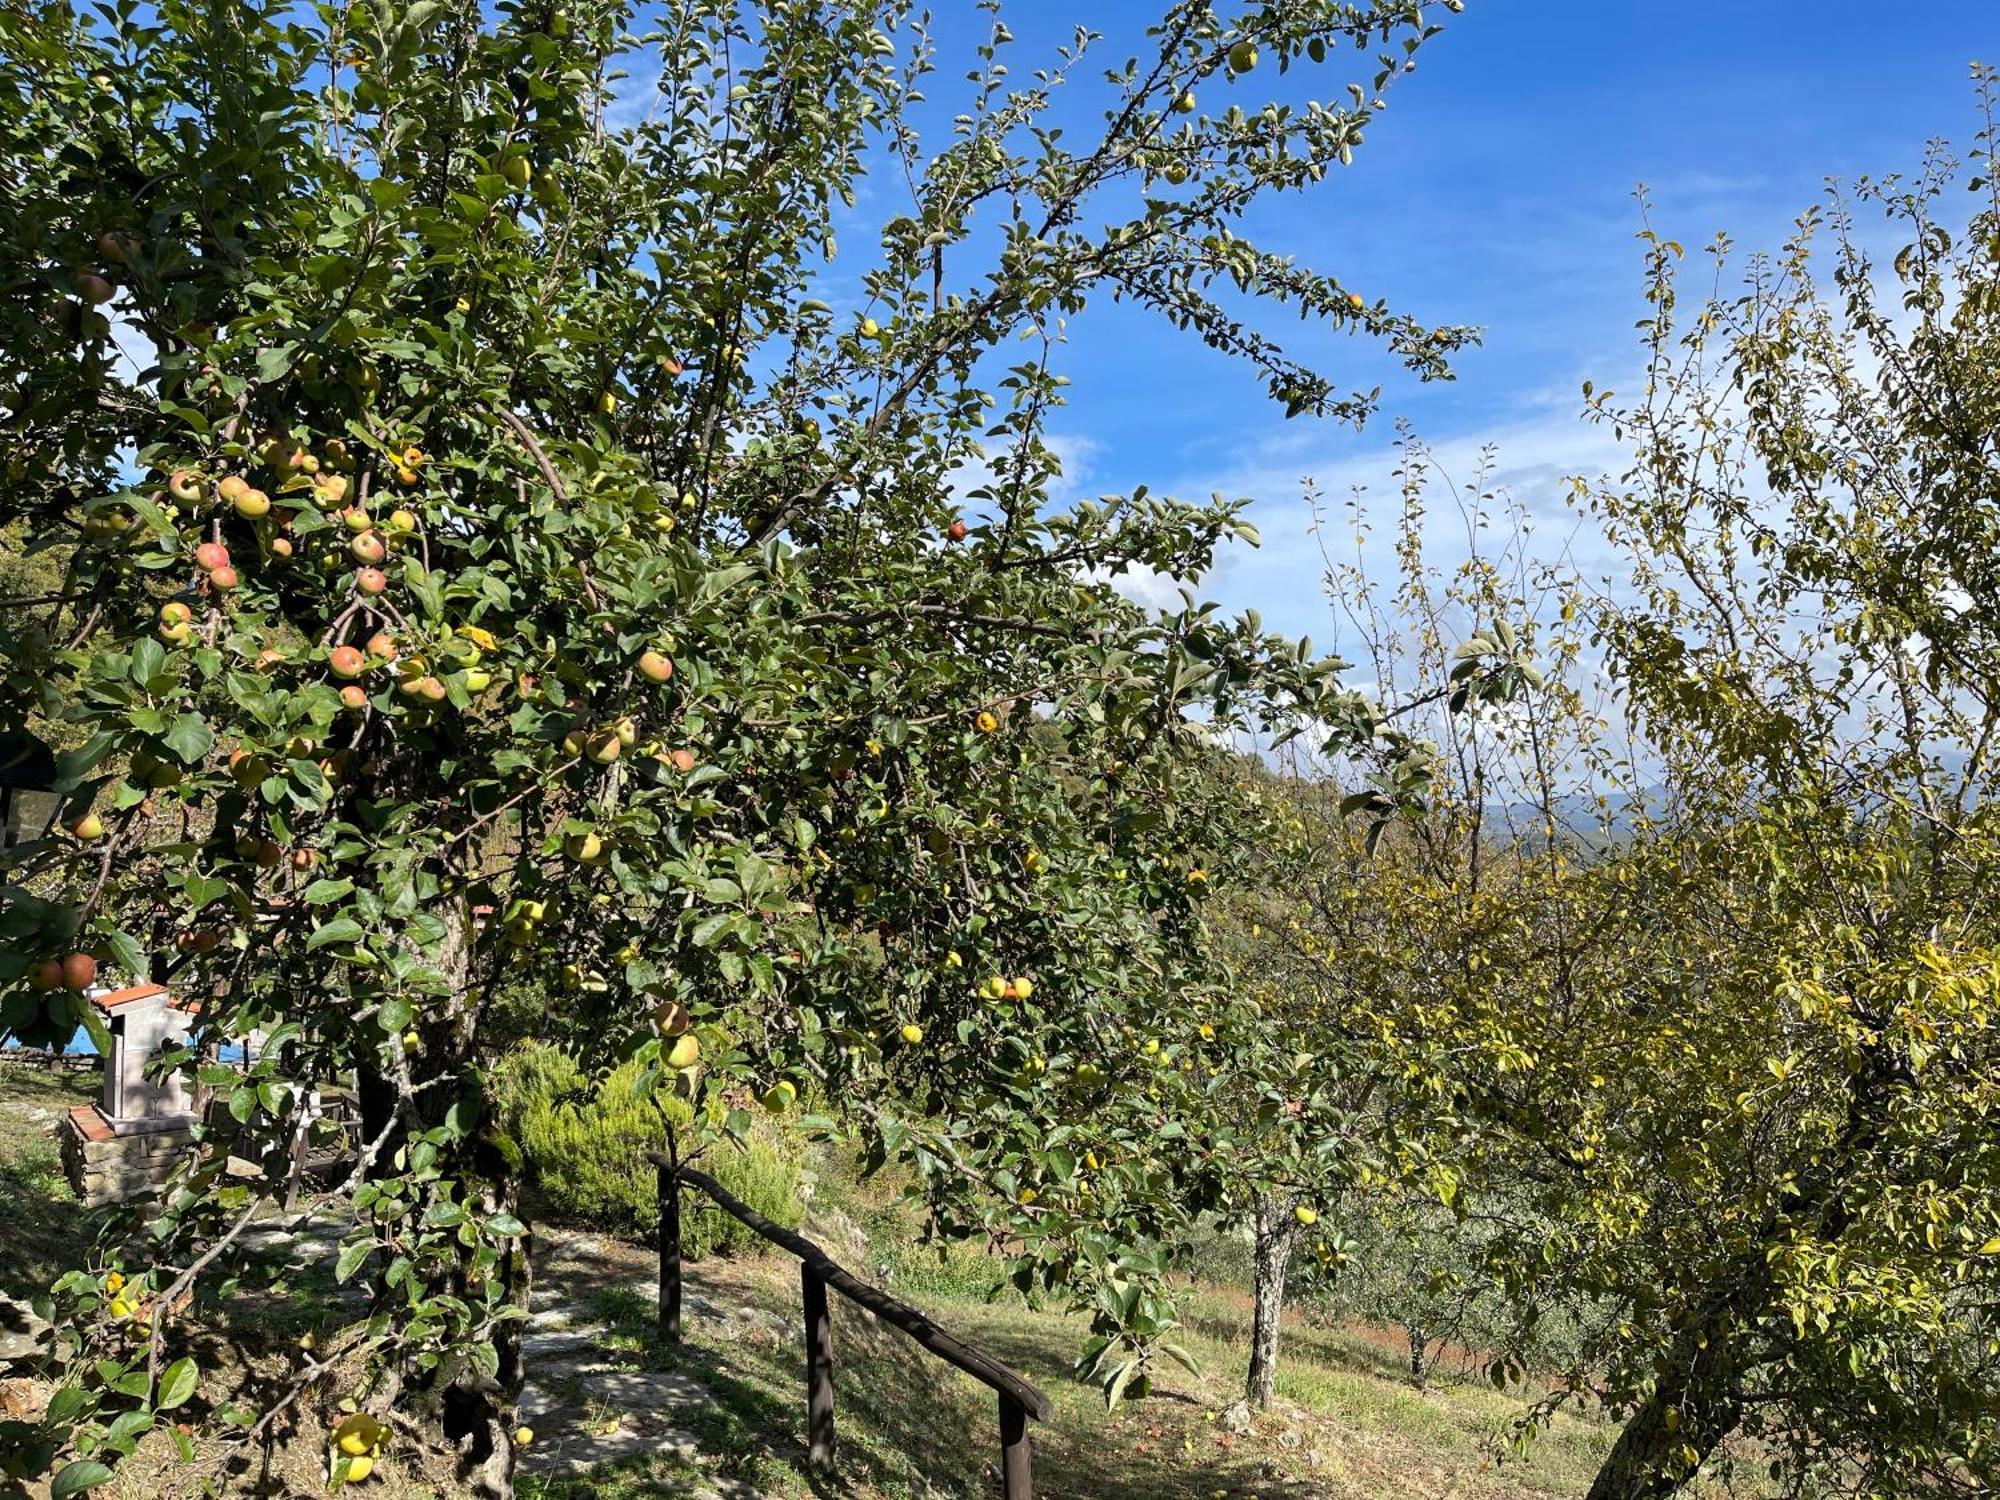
<point x="780" y="1096"/>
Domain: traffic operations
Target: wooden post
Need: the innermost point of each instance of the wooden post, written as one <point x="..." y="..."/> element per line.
<point x="1017" y="1481"/>
<point x="819" y="1370"/>
<point x="670" y="1255"/>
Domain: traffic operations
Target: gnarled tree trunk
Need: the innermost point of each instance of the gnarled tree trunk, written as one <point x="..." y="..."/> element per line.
<point x="1695" y="1405"/>
<point x="1277" y="1231"/>
<point x="1420" y="1354"/>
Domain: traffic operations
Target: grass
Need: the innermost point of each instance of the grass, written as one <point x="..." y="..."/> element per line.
<point x="1347" y="1423"/>
<point x="44" y="1222"/>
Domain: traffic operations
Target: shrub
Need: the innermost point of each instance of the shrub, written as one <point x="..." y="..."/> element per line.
<point x="586" y="1148"/>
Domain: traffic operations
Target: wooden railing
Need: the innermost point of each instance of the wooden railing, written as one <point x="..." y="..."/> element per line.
<point x="817" y="1271"/>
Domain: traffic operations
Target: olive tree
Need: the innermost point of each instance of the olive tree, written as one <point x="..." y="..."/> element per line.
<point x="495" y="543"/>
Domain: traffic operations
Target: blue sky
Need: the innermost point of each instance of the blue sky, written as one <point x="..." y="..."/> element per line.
<point x="1498" y="190"/>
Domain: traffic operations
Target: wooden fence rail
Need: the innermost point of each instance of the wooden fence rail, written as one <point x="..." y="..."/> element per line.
<point x="1019" y="1400"/>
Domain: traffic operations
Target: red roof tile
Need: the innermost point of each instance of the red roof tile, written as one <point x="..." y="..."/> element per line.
<point x="115" y="998"/>
<point x="90" y="1122"/>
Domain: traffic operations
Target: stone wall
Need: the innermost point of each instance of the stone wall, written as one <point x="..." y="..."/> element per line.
<point x="104" y="1167"/>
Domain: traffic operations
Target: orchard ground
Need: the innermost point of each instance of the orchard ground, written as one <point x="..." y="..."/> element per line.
<point x="1347" y="1423"/>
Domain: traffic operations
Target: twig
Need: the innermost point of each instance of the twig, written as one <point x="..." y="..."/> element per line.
<point x="575" y="760"/>
<point x="186" y="1279"/>
<point x="556" y="488"/>
<point x="947" y="612"/>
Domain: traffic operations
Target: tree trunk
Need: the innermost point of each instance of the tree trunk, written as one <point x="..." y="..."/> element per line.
<point x="475" y="1410"/>
<point x="1695" y="1405"/>
<point x="479" y="1411"/>
<point x="1277" y="1231"/>
<point x="1420" y="1345"/>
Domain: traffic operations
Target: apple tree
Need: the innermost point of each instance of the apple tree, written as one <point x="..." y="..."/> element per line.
<point x="499" y="543"/>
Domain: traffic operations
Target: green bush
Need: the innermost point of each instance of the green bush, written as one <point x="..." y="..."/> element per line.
<point x="586" y="1148"/>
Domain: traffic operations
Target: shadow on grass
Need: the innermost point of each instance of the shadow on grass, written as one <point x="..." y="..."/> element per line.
<point x="908" y="1424"/>
<point x="44" y="1230"/>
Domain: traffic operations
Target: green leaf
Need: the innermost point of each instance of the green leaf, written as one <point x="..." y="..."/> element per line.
<point x="124" y="1432"/>
<point x="92" y="1020"/>
<point x="178" y="1383"/>
<point x="340" y="930"/>
<point x="74" y="1478"/>
<point x="321" y="892"/>
<point x="126" y="953"/>
<point x="352" y="1255"/>
<point x="149" y="659"/>
<point x="189" y="738"/>
<point x="1114" y="1388"/>
<point x="1180" y="1356"/>
<point x="708" y="931"/>
<point x="199" y="890"/>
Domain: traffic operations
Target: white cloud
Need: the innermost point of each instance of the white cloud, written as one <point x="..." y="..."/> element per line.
<point x="1074" y="453"/>
<point x="1144" y="586"/>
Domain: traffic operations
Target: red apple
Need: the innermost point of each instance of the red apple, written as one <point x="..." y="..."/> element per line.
<point x="211" y="555"/>
<point x="655" y="667"/>
<point x="382" y="646"/>
<point x="354" y="696"/>
<point x="45" y="975"/>
<point x="346" y="661"/>
<point x="371" y="581"/>
<point x="223" y="578"/>
<point x="368" y="548"/>
<point x="79" y="971"/>
<point x="93" y="288"/>
<point x="957" y="530"/>
<point x="281" y="546"/>
<point x="185" y="487"/>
